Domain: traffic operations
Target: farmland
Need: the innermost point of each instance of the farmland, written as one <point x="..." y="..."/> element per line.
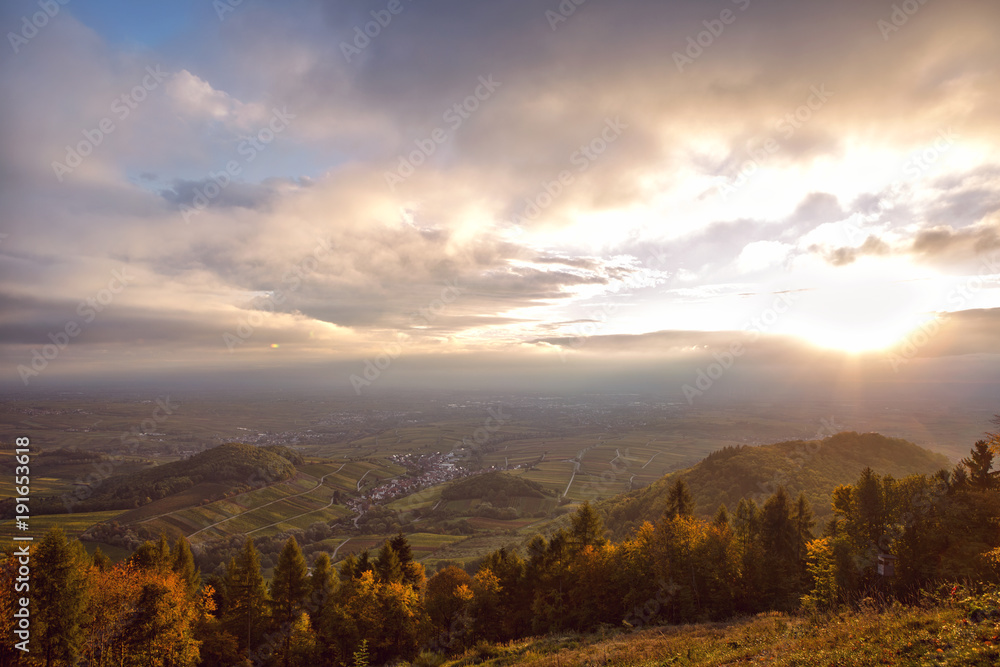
<point x="357" y="452"/>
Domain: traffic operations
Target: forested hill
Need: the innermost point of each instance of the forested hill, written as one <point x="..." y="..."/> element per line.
<point x="234" y="465"/>
<point x="814" y="467"/>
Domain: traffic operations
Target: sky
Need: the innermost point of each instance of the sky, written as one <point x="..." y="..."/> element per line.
<point x="436" y="191"/>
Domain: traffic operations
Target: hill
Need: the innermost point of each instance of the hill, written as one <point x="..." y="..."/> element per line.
<point x="232" y="466"/>
<point x="813" y="467"/>
<point x="495" y="487"/>
<point x="953" y="631"/>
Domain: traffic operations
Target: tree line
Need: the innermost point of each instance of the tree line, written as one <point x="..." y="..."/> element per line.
<point x="154" y="608"/>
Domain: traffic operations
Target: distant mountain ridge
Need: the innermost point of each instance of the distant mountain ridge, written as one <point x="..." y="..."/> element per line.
<point x="812" y="467"/>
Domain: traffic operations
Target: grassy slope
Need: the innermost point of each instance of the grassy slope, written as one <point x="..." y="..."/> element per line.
<point x="940" y="635"/>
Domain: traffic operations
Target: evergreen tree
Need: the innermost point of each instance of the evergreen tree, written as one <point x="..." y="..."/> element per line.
<point x="59" y="597"/>
<point x="289" y="587"/>
<point x="778" y="537"/>
<point x="183" y="565"/>
<point x="587" y="527"/>
<point x="980" y="464"/>
<point x="413" y="572"/>
<point x="388" y="569"/>
<point x="246" y="598"/>
<point x="323" y="587"/>
<point x="722" y="517"/>
<point x="679" y="500"/>
<point x="804" y="523"/>
<point x="152" y="557"/>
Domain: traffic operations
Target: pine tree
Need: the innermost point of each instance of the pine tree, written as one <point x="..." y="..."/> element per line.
<point x="289" y="588"/>
<point x="778" y="537"/>
<point x="413" y="572"/>
<point x="183" y="565"/>
<point x="721" y="517"/>
<point x="679" y="500"/>
<point x="804" y="523"/>
<point x="246" y="597"/>
<point x="153" y="557"/>
<point x="587" y="527"/>
<point x="387" y="566"/>
<point x="323" y="587"/>
<point x="59" y="597"/>
<point x="980" y="464"/>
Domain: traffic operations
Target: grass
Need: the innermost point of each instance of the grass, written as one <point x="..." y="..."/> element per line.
<point x="945" y="634"/>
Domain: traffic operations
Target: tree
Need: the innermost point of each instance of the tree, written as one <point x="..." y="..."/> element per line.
<point x="387" y="566"/>
<point x="779" y="539"/>
<point x="721" y="517"/>
<point x="100" y="560"/>
<point x="587" y="528"/>
<point x="323" y="587"/>
<point x="160" y="627"/>
<point x="246" y="597"/>
<point x="980" y="464"/>
<point x="679" y="500"/>
<point x="448" y="594"/>
<point x="822" y="568"/>
<point x="153" y="556"/>
<point x="289" y="588"/>
<point x="183" y="565"/>
<point x="59" y="597"/>
<point x="804" y="523"/>
<point x="413" y="572"/>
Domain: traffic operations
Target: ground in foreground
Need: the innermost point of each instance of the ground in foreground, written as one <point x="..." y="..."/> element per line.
<point x="959" y="630"/>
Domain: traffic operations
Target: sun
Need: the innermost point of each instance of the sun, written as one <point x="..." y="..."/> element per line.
<point x="860" y="316"/>
<point x="857" y="337"/>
